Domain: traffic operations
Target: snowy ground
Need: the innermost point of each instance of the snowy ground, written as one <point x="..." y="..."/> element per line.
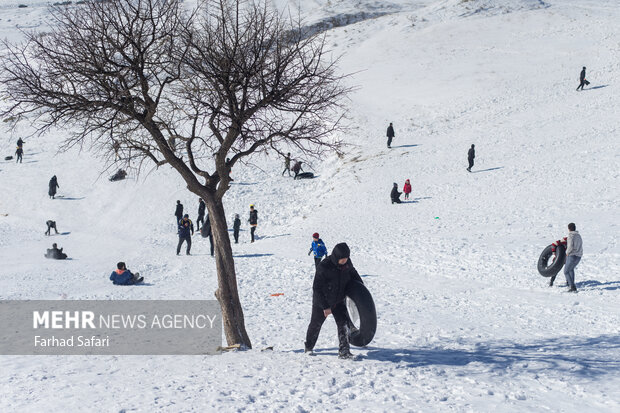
<point x="465" y="321"/>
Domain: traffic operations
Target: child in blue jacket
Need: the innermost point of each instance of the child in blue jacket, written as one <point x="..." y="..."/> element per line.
<point x="122" y="276"/>
<point x="319" y="249"/>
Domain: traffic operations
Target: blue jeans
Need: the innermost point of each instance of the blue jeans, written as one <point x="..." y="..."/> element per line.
<point x="569" y="269"/>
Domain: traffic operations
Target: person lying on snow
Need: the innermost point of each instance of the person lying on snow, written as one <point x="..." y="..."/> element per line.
<point x="122" y="276"/>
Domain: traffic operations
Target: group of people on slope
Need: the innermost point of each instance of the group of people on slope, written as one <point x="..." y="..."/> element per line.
<point x="297" y="169"/>
<point x="185" y="226"/>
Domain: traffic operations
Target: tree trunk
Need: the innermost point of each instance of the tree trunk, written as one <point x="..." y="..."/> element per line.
<point x="227" y="293"/>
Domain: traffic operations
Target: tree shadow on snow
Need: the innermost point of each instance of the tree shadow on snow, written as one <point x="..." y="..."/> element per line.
<point x="487" y="170"/>
<point x="596" y="87"/>
<point x="243" y="183"/>
<point x="597" y="285"/>
<point x="368" y="275"/>
<point x="251" y="255"/>
<point x="68" y="198"/>
<point x="582" y="356"/>
<point x="421" y="198"/>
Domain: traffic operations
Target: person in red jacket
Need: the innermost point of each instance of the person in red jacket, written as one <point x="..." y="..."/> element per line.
<point x="407" y="189"/>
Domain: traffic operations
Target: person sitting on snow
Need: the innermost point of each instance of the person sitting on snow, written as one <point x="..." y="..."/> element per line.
<point x="122" y="276"/>
<point x="55" y="253"/>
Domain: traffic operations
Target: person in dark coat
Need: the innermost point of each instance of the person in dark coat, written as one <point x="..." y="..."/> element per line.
<point x="395" y="195"/>
<point x="118" y="176"/>
<point x="471" y="154"/>
<point x="328" y="294"/>
<point x="296" y="168"/>
<point x="201" y="214"/>
<point x="186" y="230"/>
<point x="19" y="152"/>
<point x="253" y="221"/>
<point x="52" y="187"/>
<point x="206" y="232"/>
<point x="390" y="135"/>
<point x="122" y="276"/>
<point x="287" y="164"/>
<point x="50" y="224"/>
<point x="178" y="212"/>
<point x="55" y="253"/>
<point x="20" y="142"/>
<point x="236" y="227"/>
<point x="582" y="79"/>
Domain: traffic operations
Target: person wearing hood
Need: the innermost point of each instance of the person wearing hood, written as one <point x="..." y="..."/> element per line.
<point x="395" y="195"/>
<point x="52" y="187"/>
<point x="574" y="251"/>
<point x="328" y="295"/>
<point x="407" y="189"/>
<point x="471" y="154"/>
<point x="122" y="276"/>
<point x="319" y="249"/>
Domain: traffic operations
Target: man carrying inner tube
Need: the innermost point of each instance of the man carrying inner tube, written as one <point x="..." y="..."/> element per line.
<point x="328" y="295"/>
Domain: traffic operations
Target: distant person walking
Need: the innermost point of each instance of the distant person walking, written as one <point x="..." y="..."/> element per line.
<point x="395" y="195"/>
<point x="50" y="224"/>
<point x="236" y="227"/>
<point x="297" y="168"/>
<point x="19" y="152"/>
<point x="253" y="221"/>
<point x="582" y="79"/>
<point x="52" y="187"/>
<point x="186" y="230"/>
<point x="20" y="142"/>
<point x="574" y="251"/>
<point x="471" y="154"/>
<point x="117" y="147"/>
<point x="178" y="212"/>
<point x="390" y="135"/>
<point x="287" y="164"/>
<point x="407" y="189"/>
<point x="201" y="214"/>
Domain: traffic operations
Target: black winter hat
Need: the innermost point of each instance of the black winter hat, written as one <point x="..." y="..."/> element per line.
<point x="340" y="251"/>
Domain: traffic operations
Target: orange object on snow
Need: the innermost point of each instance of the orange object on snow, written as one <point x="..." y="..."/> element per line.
<point x="276" y="294"/>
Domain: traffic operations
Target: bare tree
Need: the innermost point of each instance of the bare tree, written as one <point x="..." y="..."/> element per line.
<point x="200" y="91"/>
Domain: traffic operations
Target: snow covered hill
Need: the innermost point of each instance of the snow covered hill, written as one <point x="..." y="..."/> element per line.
<point x="465" y="321"/>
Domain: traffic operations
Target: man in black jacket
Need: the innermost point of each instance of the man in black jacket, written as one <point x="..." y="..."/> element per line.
<point x="471" y="154"/>
<point x="253" y="221"/>
<point x="201" y="214"/>
<point x="582" y="79"/>
<point x="390" y="135"/>
<point x="395" y="195"/>
<point x="206" y="232"/>
<point x="328" y="294"/>
<point x="178" y="212"/>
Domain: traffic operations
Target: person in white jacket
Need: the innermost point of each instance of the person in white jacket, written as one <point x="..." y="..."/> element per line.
<point x="574" y="251"/>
